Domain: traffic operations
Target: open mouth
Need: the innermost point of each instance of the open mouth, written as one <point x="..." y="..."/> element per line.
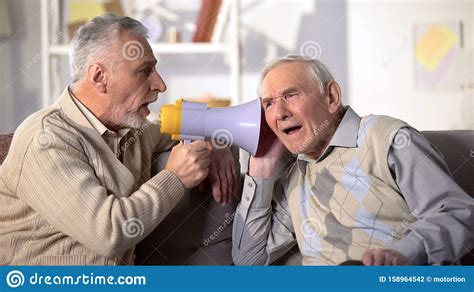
<point x="144" y="107"/>
<point x="292" y="130"/>
<point x="149" y="101"/>
<point x="146" y="104"/>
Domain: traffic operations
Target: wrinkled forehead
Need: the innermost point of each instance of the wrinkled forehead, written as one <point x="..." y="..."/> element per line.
<point x="284" y="76"/>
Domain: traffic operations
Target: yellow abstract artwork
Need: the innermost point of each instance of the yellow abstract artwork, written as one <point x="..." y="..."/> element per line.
<point x="434" y="45"/>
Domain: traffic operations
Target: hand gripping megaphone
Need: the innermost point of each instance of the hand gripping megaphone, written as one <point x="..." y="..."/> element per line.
<point x="238" y="125"/>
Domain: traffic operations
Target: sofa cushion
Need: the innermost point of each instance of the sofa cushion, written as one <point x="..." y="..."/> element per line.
<point x="5" y="141"/>
<point x="198" y="231"/>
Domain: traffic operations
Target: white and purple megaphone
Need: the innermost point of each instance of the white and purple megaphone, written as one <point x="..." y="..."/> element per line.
<point x="238" y="125"/>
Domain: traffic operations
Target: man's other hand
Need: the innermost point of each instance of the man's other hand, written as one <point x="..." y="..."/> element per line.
<point x="223" y="175"/>
<point x="383" y="257"/>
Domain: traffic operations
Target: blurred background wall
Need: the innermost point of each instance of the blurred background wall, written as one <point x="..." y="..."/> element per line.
<point x="377" y="50"/>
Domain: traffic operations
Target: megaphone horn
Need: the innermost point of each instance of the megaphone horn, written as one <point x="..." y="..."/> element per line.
<point x="238" y="125"/>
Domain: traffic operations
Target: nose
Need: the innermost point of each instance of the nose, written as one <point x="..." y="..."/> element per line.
<point x="157" y="83"/>
<point x="281" y="111"/>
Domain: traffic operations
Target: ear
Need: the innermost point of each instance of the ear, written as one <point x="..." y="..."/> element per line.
<point x="334" y="97"/>
<point x="97" y="75"/>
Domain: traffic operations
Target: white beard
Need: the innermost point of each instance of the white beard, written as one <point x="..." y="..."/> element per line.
<point x="132" y="120"/>
<point x="129" y="120"/>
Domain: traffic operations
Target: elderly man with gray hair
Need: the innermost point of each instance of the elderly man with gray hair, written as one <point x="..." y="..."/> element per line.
<point x="75" y="188"/>
<point x="369" y="190"/>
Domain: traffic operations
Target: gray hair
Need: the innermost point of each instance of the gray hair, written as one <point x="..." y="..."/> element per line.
<point x="94" y="39"/>
<point x="317" y="71"/>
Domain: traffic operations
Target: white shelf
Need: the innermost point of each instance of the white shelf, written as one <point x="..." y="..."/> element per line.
<point x="50" y="52"/>
<point x="189" y="48"/>
<point x="165" y="48"/>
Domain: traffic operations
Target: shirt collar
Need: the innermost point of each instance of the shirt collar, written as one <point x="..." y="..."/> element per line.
<point x="344" y="136"/>
<point x="346" y="132"/>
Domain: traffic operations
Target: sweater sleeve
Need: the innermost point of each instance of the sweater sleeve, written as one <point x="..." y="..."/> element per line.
<point x="59" y="183"/>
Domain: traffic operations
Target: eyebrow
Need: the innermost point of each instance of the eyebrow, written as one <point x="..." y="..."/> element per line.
<point x="289" y="90"/>
<point x="147" y="64"/>
<point x="283" y="92"/>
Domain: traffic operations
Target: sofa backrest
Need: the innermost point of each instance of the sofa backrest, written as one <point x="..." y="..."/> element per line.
<point x="5" y="141"/>
<point x="457" y="147"/>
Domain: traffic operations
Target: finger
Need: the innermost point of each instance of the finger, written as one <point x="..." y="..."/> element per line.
<point x="232" y="183"/>
<point x="201" y="156"/>
<point x="209" y="145"/>
<point x="216" y="194"/>
<point x="223" y="185"/>
<point x="391" y="258"/>
<point x="398" y="260"/>
<point x="198" y="146"/>
<point x="368" y="258"/>
<point x="387" y="260"/>
<point x="215" y="189"/>
<point x="205" y="172"/>
<point x="223" y="182"/>
<point x="236" y="179"/>
<point x="379" y="258"/>
<point x="214" y="181"/>
<point x="205" y="162"/>
<point x="177" y="146"/>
